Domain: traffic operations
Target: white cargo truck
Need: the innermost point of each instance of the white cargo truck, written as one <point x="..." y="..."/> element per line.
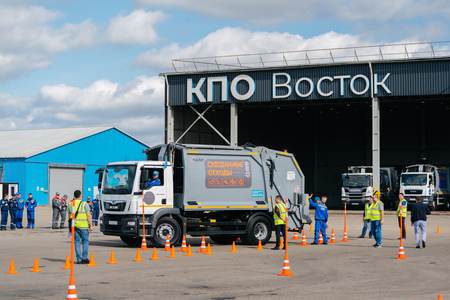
<point x="357" y="184"/>
<point x="429" y="182"/>
<point x="218" y="191"/>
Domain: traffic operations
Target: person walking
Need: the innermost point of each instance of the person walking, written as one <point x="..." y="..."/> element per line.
<point x="419" y="212"/>
<point x="279" y="217"/>
<point x="63" y="210"/>
<point x="83" y="226"/>
<point x="4" y="205"/>
<point x="376" y="220"/>
<point x="56" y="205"/>
<point x="96" y="211"/>
<point x="20" y="208"/>
<point x="30" y="204"/>
<point x="366" y="219"/>
<point x="401" y="214"/>
<point x="13" y="205"/>
<point x="321" y="219"/>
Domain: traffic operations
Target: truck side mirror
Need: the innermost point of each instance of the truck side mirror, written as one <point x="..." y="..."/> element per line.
<point x="144" y="178"/>
<point x="100" y="177"/>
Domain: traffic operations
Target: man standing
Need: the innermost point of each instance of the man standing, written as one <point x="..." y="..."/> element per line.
<point x="279" y="216"/>
<point x="83" y="226"/>
<point x="376" y="219"/>
<point x="154" y="180"/>
<point x="321" y="219"/>
<point x="4" y="204"/>
<point x="56" y="205"/>
<point x="366" y="219"/>
<point x="19" y="215"/>
<point x="401" y="214"/>
<point x="419" y="212"/>
<point x="30" y="205"/>
<point x="96" y="211"/>
<point x="389" y="199"/>
<point x="63" y="210"/>
<point x="13" y="204"/>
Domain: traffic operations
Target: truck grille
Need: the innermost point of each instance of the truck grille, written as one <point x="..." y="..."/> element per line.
<point x="115" y="206"/>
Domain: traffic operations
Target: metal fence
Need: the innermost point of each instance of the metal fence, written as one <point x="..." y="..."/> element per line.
<point x="314" y="57"/>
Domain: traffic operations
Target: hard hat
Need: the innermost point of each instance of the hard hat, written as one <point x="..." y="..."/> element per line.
<point x="155" y="173"/>
<point x="317" y="199"/>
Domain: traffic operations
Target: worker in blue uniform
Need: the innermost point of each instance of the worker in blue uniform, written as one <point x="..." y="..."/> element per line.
<point x="96" y="211"/>
<point x="4" y="206"/>
<point x="30" y="204"/>
<point x="154" y="180"/>
<point x="20" y="208"/>
<point x="13" y="204"/>
<point x="321" y="218"/>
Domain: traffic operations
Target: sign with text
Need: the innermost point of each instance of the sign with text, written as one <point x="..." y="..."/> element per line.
<point x="228" y="173"/>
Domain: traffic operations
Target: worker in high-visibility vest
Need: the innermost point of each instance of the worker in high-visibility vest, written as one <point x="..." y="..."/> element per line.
<point x="376" y="219"/>
<point x="83" y="226"/>
<point x="401" y="214"/>
<point x="366" y="219"/>
<point x="279" y="217"/>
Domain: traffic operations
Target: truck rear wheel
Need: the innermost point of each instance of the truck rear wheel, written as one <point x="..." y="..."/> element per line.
<point x="224" y="238"/>
<point x="166" y="226"/>
<point x="260" y="228"/>
<point x="131" y="241"/>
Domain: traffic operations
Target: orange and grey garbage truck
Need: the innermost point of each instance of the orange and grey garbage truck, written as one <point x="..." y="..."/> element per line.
<point x="223" y="192"/>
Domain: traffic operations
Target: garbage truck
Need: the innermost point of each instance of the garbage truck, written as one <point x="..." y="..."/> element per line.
<point x="357" y="184"/>
<point x="223" y="192"/>
<point x="427" y="181"/>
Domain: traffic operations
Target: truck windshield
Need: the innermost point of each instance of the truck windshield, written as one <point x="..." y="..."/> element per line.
<point x="356" y="181"/>
<point x="119" y="179"/>
<point x="414" y="179"/>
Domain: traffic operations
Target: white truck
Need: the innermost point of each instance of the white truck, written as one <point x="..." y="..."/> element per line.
<point x="222" y="192"/>
<point x="357" y="184"/>
<point x="429" y="182"/>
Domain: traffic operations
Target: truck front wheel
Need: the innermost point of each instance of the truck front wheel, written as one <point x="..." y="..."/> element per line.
<point x="166" y="226"/>
<point x="259" y="228"/>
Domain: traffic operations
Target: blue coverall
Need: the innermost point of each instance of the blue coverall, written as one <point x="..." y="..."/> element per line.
<point x="13" y="204"/>
<point x="30" y="205"/>
<point x="4" y="208"/>
<point x="321" y="218"/>
<point x="19" y="215"/>
<point x="96" y="211"/>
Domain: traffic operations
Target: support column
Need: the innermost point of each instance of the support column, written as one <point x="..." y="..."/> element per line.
<point x="233" y="124"/>
<point x="376" y="143"/>
<point x="170" y="127"/>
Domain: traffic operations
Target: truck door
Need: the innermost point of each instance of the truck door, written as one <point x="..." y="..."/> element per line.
<point x="154" y="189"/>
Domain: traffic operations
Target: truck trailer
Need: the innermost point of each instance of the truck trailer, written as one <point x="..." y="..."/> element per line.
<point x="223" y="192"/>
<point x="429" y="182"/>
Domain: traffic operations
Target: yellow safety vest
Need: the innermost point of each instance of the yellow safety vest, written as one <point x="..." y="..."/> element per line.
<point x="280" y="221"/>
<point x="402" y="213"/>
<point x="81" y="220"/>
<point x="375" y="211"/>
<point x="367" y="209"/>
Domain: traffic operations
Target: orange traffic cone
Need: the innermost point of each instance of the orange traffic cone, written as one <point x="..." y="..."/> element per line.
<point x="183" y="245"/>
<point x="333" y="237"/>
<point x="345" y="239"/>
<point x="208" y="251"/>
<point x="167" y="245"/>
<point x="144" y="243"/>
<point x="439" y="297"/>
<point x="259" y="246"/>
<point x="72" y="292"/>
<point x="36" y="266"/>
<point x="233" y="248"/>
<point x="286" y="267"/>
<point x="113" y="259"/>
<point x="138" y="256"/>
<point x="203" y="246"/>
<point x="311" y="228"/>
<point x="12" y="269"/>
<point x="189" y="252"/>
<point x="67" y="265"/>
<point x="320" y="238"/>
<point x="172" y="253"/>
<point x="295" y="238"/>
<point x="155" y="255"/>
<point x="401" y="252"/>
<point x="304" y="243"/>
<point x="281" y="243"/>
<point x="439" y="230"/>
<point x="406" y="229"/>
<point x="92" y="261"/>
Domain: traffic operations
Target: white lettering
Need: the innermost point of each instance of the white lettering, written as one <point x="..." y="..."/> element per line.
<point x="251" y="87"/>
<point x="191" y="90"/>
<point x="352" y="84"/>
<point x="224" y="83"/>
<point x="341" y="78"/>
<point x="319" y="89"/>
<point x="285" y="84"/>
<point x="376" y="83"/>
<point x="311" y="87"/>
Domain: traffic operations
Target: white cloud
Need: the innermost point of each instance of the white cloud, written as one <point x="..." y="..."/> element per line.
<point x="137" y="28"/>
<point x="136" y="107"/>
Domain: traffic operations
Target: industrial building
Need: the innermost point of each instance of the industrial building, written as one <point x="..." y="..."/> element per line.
<point x="46" y="161"/>
<point x="378" y="106"/>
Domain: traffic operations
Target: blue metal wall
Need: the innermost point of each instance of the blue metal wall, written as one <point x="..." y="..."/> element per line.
<point x="94" y="151"/>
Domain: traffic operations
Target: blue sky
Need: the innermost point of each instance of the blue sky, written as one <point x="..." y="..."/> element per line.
<point x="73" y="63"/>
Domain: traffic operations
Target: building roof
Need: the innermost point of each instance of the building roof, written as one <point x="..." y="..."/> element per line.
<point x="27" y="143"/>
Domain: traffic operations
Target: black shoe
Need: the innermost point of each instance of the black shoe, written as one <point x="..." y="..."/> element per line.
<point x="418" y="247"/>
<point x="370" y="236"/>
<point x="423" y="244"/>
<point x="61" y="227"/>
<point x="324" y="243"/>
<point x="80" y="262"/>
<point x="374" y="245"/>
<point x="314" y="243"/>
<point x="275" y="248"/>
<point x="54" y="227"/>
<point x="85" y="261"/>
<point x="360" y="237"/>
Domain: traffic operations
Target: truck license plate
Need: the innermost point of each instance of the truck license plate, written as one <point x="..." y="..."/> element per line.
<point x="113" y="222"/>
<point x="113" y="207"/>
<point x="355" y="203"/>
